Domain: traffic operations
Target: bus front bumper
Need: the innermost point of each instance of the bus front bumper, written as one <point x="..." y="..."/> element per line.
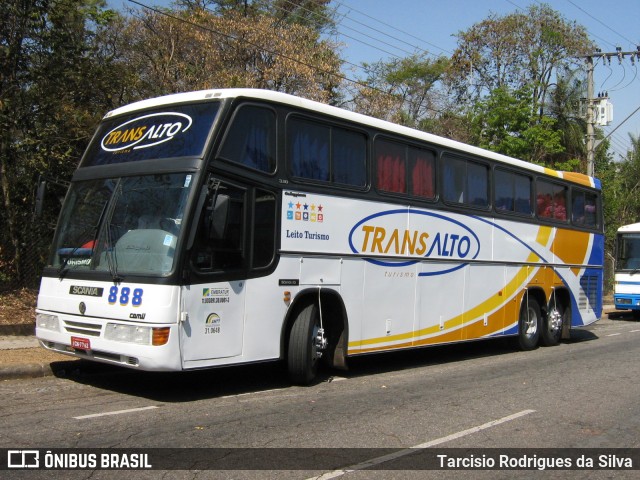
<point x="626" y="301"/>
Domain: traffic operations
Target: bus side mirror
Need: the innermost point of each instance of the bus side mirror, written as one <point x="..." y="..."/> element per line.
<point x="42" y="188"/>
<point x="218" y="217"/>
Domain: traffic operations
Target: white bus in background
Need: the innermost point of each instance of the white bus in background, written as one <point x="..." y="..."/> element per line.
<point x="223" y="227"/>
<point x="626" y="293"/>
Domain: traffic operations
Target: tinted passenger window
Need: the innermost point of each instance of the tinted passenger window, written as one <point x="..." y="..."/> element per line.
<point x="551" y="200"/>
<point x="584" y="208"/>
<point x="326" y="153"/>
<point x="264" y="234"/>
<point x="309" y="150"/>
<point x="391" y="167"/>
<point x="512" y="192"/>
<point x="405" y="169"/>
<point x="465" y="182"/>
<point x="220" y="243"/>
<point x="349" y="157"/>
<point x="251" y="139"/>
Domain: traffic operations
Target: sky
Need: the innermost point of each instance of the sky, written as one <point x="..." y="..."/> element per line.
<point x="373" y="30"/>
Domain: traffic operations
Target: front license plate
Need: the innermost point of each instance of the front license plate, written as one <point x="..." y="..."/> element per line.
<point x="81" y="343"/>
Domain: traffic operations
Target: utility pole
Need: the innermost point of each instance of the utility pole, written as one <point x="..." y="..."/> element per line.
<point x="591" y="100"/>
<point x="591" y="124"/>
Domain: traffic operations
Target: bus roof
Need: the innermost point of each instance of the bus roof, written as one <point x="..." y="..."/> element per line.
<point x="287" y="99"/>
<point x="632" y="227"/>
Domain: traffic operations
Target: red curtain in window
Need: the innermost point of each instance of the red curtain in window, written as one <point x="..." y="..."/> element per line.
<point x="391" y="174"/>
<point x="422" y="177"/>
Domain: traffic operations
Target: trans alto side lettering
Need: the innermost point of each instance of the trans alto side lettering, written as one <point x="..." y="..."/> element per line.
<point x="406" y="242"/>
<point x="413" y="233"/>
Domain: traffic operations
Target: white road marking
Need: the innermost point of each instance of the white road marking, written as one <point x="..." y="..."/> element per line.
<point x="253" y="393"/>
<point x="95" y="415"/>
<point x="410" y="450"/>
<point x="613" y="334"/>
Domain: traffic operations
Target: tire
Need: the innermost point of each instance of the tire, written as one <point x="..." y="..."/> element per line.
<point x="302" y="358"/>
<point x="529" y="324"/>
<point x="558" y="315"/>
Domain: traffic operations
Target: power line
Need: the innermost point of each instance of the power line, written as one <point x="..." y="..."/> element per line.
<point x="272" y="52"/>
<point x="352" y="29"/>
<point x="395" y="28"/>
<point x="631" y="42"/>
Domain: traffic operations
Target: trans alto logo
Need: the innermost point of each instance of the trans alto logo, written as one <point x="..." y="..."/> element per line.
<point x="413" y="233"/>
<point x="146" y="131"/>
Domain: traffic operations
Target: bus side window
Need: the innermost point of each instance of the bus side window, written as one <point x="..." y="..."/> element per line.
<point x="391" y="166"/>
<point x="251" y="139"/>
<point x="309" y="149"/>
<point x="348" y="157"/>
<point x="264" y="224"/>
<point x="221" y="246"/>
<point x="512" y="192"/>
<point x="422" y="177"/>
<point x="453" y="179"/>
<point x="551" y="200"/>
<point x="583" y="209"/>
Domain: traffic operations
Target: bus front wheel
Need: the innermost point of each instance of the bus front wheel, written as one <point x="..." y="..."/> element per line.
<point x="306" y="340"/>
<point x="529" y="324"/>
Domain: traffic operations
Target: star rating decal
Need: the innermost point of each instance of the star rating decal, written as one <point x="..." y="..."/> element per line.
<point x="306" y="212"/>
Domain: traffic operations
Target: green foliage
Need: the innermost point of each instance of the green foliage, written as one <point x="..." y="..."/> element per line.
<point x="404" y="90"/>
<point x="522" y="48"/>
<point x="52" y="95"/>
<point x="505" y="123"/>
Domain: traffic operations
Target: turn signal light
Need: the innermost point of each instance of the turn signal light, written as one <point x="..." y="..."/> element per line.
<point x="160" y="336"/>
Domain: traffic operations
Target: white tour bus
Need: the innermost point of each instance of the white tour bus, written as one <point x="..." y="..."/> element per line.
<point x="626" y="293"/>
<point x="232" y="226"/>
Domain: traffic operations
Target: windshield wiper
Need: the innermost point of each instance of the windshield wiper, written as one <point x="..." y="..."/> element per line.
<point x="110" y="251"/>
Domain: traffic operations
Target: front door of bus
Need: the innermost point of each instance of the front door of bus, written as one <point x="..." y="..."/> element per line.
<point x="214" y="323"/>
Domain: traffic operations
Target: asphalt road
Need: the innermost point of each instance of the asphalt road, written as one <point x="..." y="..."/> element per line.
<point x="582" y="394"/>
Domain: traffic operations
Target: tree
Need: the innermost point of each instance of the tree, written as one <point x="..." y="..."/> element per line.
<point x="196" y="48"/>
<point x="519" y="72"/>
<point x="504" y="122"/>
<point x="516" y="50"/>
<point x="627" y="192"/>
<point x="403" y="90"/>
<point x="563" y="104"/>
<point x="53" y="90"/>
<point x="314" y="14"/>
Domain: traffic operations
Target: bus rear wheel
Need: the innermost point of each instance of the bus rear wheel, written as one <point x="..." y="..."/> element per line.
<point x="552" y="326"/>
<point x="306" y="341"/>
<point x="529" y="324"/>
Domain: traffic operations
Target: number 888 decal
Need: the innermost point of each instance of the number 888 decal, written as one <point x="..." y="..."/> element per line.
<point x="125" y="296"/>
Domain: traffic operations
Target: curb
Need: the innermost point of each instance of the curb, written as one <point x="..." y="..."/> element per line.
<point x="60" y="368"/>
<point x="29" y="370"/>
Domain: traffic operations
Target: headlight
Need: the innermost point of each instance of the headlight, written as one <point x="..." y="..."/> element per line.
<point x="128" y="333"/>
<point x="136" y="334"/>
<point x="47" y="322"/>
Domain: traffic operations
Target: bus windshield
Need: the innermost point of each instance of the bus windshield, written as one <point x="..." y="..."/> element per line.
<point x="628" y="247"/>
<point x="180" y="131"/>
<point x="122" y="226"/>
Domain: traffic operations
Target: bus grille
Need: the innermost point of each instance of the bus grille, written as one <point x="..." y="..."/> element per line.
<point x="82" y="328"/>
<point x="588" y="292"/>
